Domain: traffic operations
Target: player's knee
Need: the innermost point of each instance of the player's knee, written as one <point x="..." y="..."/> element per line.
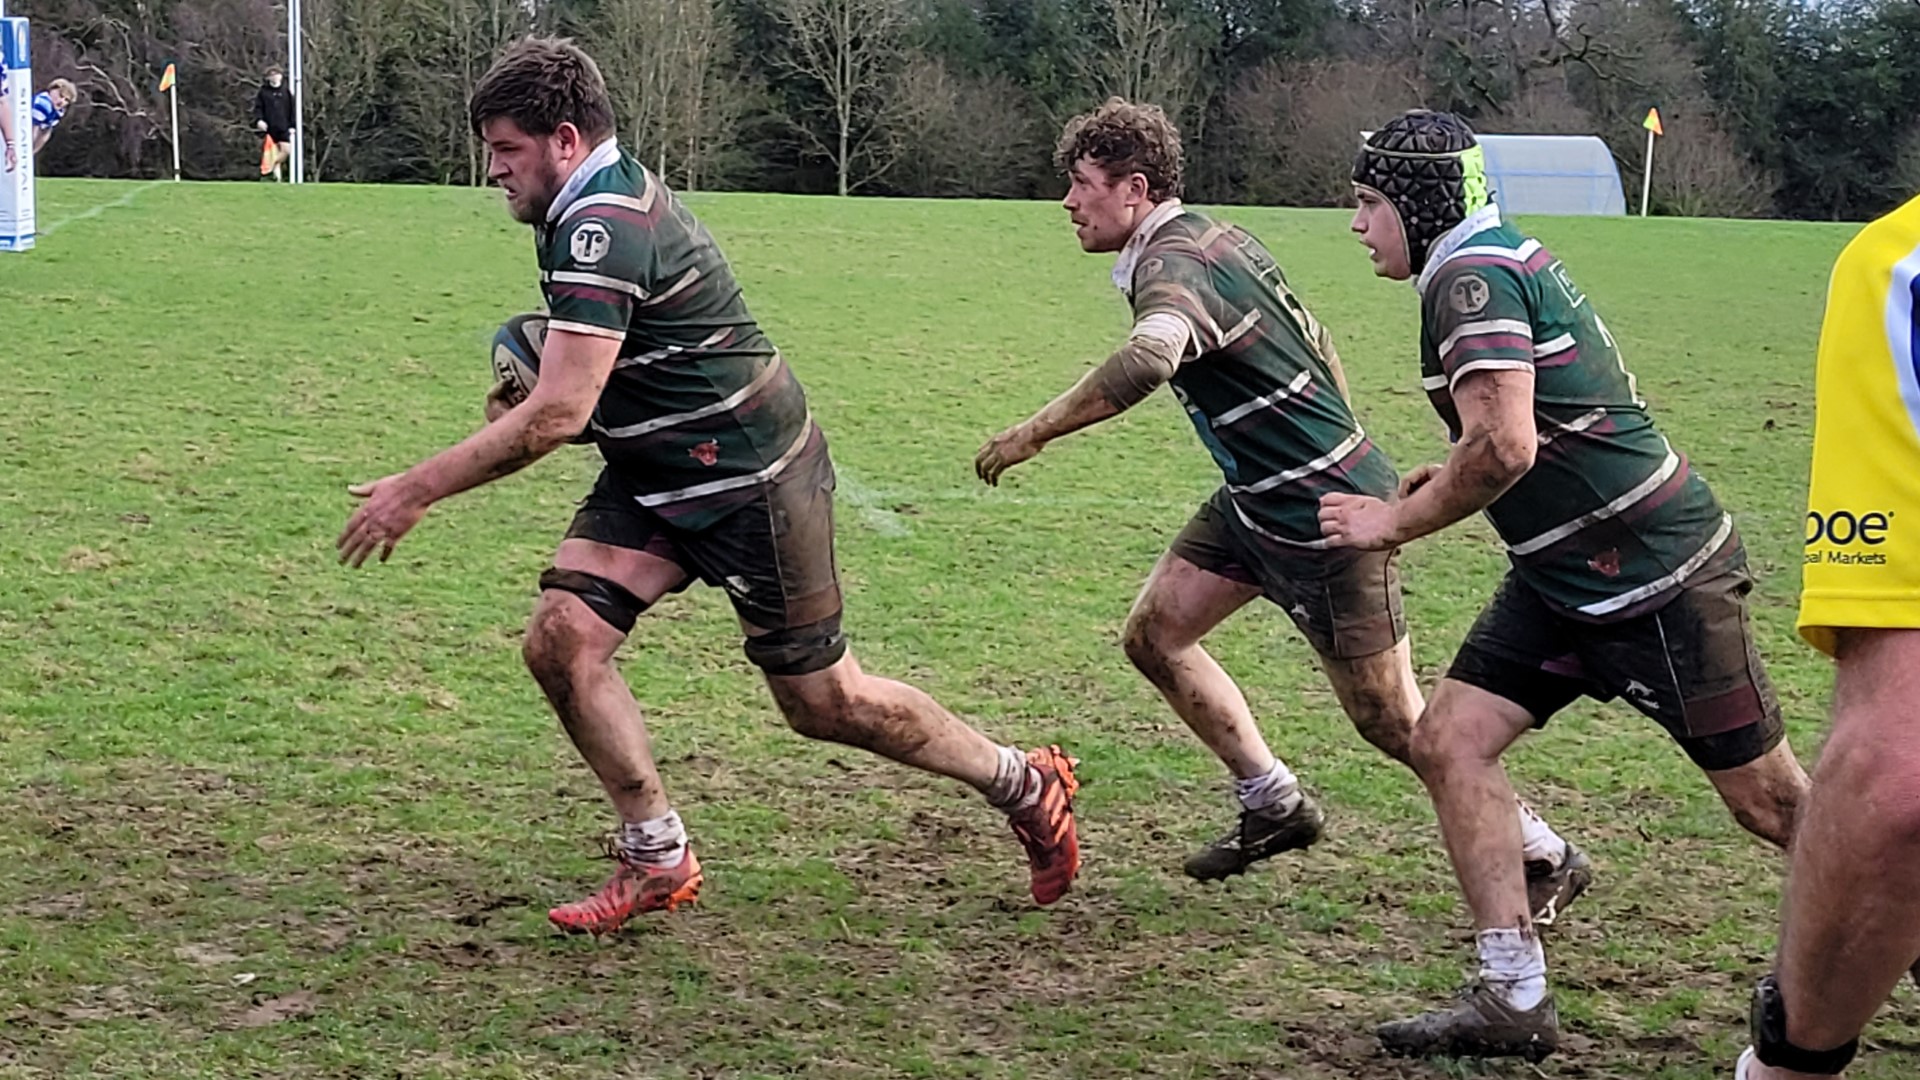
<point x="1144" y="641"/>
<point x="550" y="644"/>
<point x="1442" y="743"/>
<point x="560" y="637"/>
<point x="1383" y="722"/>
<point x="1881" y="778"/>
<point x="817" y="710"/>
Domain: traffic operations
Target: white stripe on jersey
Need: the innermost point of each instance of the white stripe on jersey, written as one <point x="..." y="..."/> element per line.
<point x="1655" y="588"/>
<point x="1241" y="411"/>
<point x="1485" y="326"/>
<point x="1318" y="545"/>
<point x="686" y="279"/>
<point x="1472" y="366"/>
<point x="585" y="328"/>
<point x="1241" y="328"/>
<point x="1634" y="495"/>
<point x="598" y="281"/>
<point x="640" y="205"/>
<point x="718" y="486"/>
<point x="1544" y="349"/>
<point x="676" y="419"/>
<point x="1577" y="424"/>
<point x="1319" y="464"/>
<point x="646" y="358"/>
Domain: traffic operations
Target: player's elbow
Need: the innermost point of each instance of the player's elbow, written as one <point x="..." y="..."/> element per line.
<point x="1511" y="453"/>
<point x="552" y="424"/>
<point x="1499" y="457"/>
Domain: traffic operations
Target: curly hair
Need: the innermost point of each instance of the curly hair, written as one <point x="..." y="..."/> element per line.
<point x="1123" y="138"/>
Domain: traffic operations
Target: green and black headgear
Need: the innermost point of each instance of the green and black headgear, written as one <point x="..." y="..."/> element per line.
<point x="1431" y="168"/>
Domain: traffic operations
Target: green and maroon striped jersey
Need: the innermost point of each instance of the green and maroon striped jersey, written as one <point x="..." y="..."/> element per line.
<point x="700" y="409"/>
<point x="1257" y="376"/>
<point x="1611" y="520"/>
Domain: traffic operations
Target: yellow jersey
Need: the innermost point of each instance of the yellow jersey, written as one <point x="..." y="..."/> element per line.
<point x="1862" y="565"/>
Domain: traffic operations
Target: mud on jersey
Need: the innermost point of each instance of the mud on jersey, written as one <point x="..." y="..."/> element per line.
<point x="700" y="408"/>
<point x="1257" y="380"/>
<point x="1610" y="520"/>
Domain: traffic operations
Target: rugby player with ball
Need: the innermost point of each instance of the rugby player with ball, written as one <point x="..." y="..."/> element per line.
<point x="714" y="470"/>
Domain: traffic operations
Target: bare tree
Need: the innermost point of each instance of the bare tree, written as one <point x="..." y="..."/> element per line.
<point x="1698" y="172"/>
<point x="669" y="67"/>
<point x="1296" y="127"/>
<point x="1145" y="53"/>
<point x="852" y="50"/>
<point x="962" y="135"/>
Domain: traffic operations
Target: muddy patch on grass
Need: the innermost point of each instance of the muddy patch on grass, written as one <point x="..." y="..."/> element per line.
<point x="890" y="933"/>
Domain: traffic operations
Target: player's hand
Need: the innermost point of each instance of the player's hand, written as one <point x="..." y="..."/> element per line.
<point x="1418" y="479"/>
<point x="394" y="506"/>
<point x="500" y="400"/>
<point x="259" y="125"/>
<point x="1003" y="452"/>
<point x="1357" y="521"/>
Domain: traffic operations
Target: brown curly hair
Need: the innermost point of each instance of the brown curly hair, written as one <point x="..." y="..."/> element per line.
<point x="1124" y="138"/>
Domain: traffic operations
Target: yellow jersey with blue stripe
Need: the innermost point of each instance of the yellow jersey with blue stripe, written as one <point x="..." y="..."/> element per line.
<point x="1862" y="565"/>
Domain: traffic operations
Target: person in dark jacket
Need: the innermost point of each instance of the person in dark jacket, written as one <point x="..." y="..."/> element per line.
<point x="273" y="114"/>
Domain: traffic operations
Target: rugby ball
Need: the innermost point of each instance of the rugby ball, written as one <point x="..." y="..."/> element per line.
<point x="516" y="355"/>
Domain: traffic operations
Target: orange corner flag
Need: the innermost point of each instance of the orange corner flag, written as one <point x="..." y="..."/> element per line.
<point x="266" y="156"/>
<point x="1652" y="122"/>
<point x="166" y="79"/>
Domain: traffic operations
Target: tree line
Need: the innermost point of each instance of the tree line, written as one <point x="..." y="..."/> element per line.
<point x="1786" y="108"/>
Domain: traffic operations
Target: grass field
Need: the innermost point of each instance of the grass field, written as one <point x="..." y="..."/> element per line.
<point x="268" y="817"/>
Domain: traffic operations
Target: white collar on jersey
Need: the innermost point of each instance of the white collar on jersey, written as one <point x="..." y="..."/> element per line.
<point x="1487" y="217"/>
<point x="1123" y="267"/>
<point x="603" y="155"/>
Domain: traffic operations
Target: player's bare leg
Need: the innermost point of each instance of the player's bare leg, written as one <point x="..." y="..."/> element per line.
<point x="1456" y="749"/>
<point x="843" y="704"/>
<point x="1851" y="925"/>
<point x="1382" y="697"/>
<point x="569" y="649"/>
<point x="1766" y="794"/>
<point x="1177" y="607"/>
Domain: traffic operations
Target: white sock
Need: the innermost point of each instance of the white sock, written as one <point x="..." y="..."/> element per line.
<point x="1275" y="793"/>
<point x="1742" y="1069"/>
<point x="660" y="841"/>
<point x="1513" y="966"/>
<point x="1538" y="841"/>
<point x="1016" y="784"/>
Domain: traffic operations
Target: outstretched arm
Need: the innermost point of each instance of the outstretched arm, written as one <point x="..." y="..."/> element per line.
<point x="1495" y="449"/>
<point x="574" y="370"/>
<point x="1136" y="370"/>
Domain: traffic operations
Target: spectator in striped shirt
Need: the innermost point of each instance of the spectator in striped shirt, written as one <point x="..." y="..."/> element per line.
<point x="49" y="106"/>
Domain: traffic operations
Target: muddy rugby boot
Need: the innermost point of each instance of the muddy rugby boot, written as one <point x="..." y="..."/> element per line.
<point x="1046" y="828"/>
<point x="1257" y="836"/>
<point x="1481" y="1024"/>
<point x="1550" y="889"/>
<point x="633" y="889"/>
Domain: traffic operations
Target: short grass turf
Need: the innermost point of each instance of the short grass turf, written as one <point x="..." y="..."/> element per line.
<point x="269" y="817"/>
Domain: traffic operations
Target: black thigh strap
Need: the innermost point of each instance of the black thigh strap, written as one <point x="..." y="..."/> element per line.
<point x="610" y="600"/>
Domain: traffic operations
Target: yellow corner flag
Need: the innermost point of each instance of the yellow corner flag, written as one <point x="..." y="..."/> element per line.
<point x="1652" y="122"/>
<point x="267" y="156"/>
<point x="166" y="79"/>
